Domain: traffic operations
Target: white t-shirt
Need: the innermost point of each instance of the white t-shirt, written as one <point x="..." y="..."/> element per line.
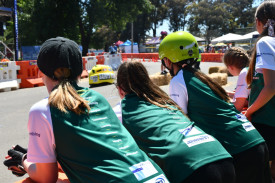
<point x="41" y="148"/>
<point x="118" y="111"/>
<point x="242" y="90"/>
<point x="178" y="91"/>
<point x="265" y="54"/>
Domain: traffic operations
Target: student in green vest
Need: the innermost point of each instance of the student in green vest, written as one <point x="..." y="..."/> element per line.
<point x="183" y="151"/>
<point x="77" y="128"/>
<point x="208" y="105"/>
<point x="261" y="78"/>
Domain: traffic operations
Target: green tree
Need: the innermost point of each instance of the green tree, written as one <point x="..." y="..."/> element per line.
<point x="178" y="14"/>
<point x="158" y="14"/>
<point x="103" y="37"/>
<point x="8" y="33"/>
<point x="141" y="26"/>
<point x="26" y="28"/>
<point x="210" y="18"/>
<point x="114" y="14"/>
<point x="242" y="11"/>
<point x="6" y="3"/>
<point x="75" y="19"/>
<point x="53" y="18"/>
<point x="213" y="18"/>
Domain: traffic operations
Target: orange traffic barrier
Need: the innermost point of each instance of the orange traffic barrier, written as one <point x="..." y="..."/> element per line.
<point x="4" y="60"/>
<point x="211" y="57"/>
<point x="91" y="54"/>
<point x="84" y="72"/>
<point x="154" y="57"/>
<point x="145" y="57"/>
<point x="84" y="62"/>
<point x="28" y="74"/>
<point x="100" y="59"/>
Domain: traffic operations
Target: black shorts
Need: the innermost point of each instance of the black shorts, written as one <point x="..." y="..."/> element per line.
<point x="268" y="133"/>
<point x="221" y="171"/>
<point x="252" y="165"/>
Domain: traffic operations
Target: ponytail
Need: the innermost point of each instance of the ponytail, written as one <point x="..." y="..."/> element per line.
<point x="64" y="97"/>
<point x="213" y="85"/>
<point x="250" y="73"/>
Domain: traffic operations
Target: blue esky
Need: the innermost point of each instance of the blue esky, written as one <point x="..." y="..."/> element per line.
<point x="165" y="26"/>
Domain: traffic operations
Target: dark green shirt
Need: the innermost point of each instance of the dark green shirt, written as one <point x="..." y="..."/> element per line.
<point x="266" y="114"/>
<point x="169" y="138"/>
<point x="219" y="118"/>
<point x="96" y="148"/>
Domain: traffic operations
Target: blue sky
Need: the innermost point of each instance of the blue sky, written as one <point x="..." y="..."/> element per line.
<point x="165" y="26"/>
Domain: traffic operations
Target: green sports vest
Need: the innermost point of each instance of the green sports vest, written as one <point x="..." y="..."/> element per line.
<point x="96" y="148"/>
<point x="169" y="138"/>
<point x="219" y="118"/>
<point x="266" y="114"/>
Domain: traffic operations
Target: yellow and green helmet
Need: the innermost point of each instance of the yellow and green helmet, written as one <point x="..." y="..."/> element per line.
<point x="179" y="46"/>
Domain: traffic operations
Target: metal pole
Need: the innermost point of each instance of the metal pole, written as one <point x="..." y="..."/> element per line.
<point x="132" y="37"/>
<point x="15" y="20"/>
<point x="6" y="47"/>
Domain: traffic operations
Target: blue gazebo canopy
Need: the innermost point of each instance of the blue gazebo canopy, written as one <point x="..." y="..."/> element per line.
<point x="127" y="43"/>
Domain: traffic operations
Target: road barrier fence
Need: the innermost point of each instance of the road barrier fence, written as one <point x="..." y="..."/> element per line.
<point x="24" y="74"/>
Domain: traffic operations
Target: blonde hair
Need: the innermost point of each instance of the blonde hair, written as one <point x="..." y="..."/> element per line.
<point x="236" y="57"/>
<point x="64" y="97"/>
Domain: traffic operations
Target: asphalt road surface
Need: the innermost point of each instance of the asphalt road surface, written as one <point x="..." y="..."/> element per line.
<point x="15" y="105"/>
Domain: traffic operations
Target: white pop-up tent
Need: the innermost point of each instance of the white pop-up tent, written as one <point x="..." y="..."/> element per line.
<point x="250" y="35"/>
<point x="198" y="39"/>
<point x="230" y="37"/>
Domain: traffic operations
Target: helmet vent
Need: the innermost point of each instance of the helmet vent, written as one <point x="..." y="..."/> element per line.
<point x="196" y="45"/>
<point x="181" y="47"/>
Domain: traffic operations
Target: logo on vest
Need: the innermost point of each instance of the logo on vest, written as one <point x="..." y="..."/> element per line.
<point x="193" y="141"/>
<point x="159" y="179"/>
<point x="255" y="75"/>
<point x="143" y="170"/>
<point x="241" y="117"/>
<point x="248" y="126"/>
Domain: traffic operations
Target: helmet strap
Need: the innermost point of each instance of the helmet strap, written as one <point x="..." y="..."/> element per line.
<point x="190" y="62"/>
<point x="163" y="63"/>
<point x="171" y="71"/>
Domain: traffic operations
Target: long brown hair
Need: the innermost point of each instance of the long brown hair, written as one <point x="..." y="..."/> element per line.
<point x="64" y="96"/>
<point x="213" y="85"/>
<point x="264" y="12"/>
<point x="132" y="77"/>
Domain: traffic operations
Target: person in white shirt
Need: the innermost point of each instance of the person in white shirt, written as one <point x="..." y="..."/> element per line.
<point x="237" y="60"/>
<point x="261" y="78"/>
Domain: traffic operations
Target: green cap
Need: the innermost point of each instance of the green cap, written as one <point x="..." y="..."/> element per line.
<point x="179" y="46"/>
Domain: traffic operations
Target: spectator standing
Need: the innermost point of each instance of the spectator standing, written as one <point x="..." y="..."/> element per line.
<point x="261" y="78"/>
<point x="113" y="49"/>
